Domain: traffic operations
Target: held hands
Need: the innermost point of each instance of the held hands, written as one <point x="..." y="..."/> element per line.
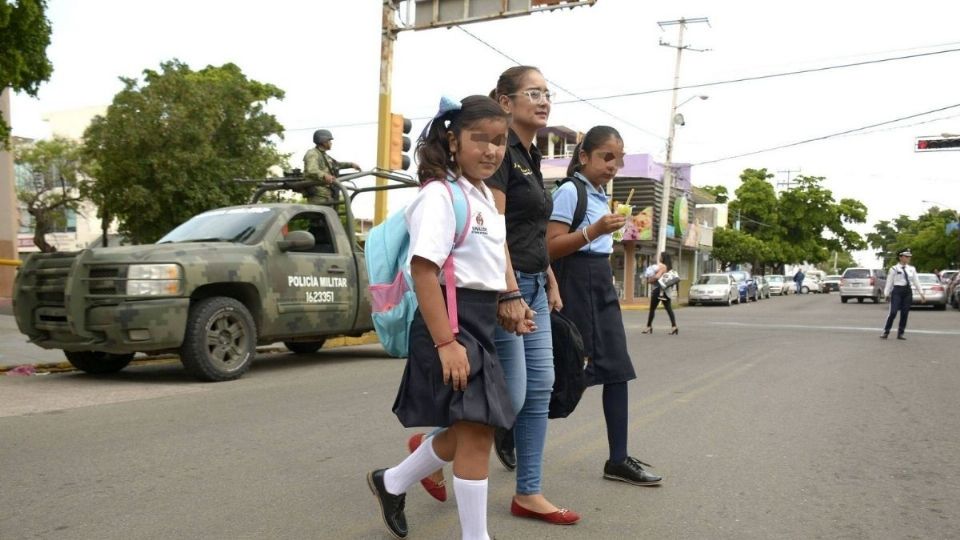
<point x="456" y="367"/>
<point x="516" y="317"/>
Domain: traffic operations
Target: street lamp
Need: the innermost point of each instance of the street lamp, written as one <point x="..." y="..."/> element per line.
<point x="675" y="120"/>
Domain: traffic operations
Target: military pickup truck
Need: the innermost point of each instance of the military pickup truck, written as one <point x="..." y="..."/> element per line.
<point x="211" y="290"/>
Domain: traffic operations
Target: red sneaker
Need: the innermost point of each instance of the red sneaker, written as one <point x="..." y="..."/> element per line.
<point x="562" y="516"/>
<point x="437" y="490"/>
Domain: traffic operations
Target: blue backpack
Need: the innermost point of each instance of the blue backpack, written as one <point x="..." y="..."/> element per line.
<point x="393" y="299"/>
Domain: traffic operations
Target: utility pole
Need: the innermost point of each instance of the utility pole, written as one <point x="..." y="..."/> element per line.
<point x="789" y="182"/>
<point x="8" y="208"/>
<point x="668" y="166"/>
<point x="387" y="37"/>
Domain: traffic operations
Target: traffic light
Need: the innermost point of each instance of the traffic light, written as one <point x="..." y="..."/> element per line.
<point x="399" y="142"/>
<point x="935" y="144"/>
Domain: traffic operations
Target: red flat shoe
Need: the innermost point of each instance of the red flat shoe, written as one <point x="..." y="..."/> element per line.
<point x="562" y="516"/>
<point x="437" y="490"/>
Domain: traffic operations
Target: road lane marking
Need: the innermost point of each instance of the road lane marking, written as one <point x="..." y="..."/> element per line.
<point x="847" y="328"/>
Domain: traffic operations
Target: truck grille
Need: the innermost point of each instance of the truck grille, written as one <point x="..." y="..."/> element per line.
<point x="104" y="280"/>
<point x="51" y="278"/>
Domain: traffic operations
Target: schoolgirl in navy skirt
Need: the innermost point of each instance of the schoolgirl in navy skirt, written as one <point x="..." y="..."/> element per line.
<point x="581" y="263"/>
<point x="452" y="377"/>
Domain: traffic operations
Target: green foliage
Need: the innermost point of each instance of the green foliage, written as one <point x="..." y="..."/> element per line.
<point x="171" y="147"/>
<point x="24" y="37"/>
<point x="804" y="224"/>
<point x="57" y="171"/>
<point x="719" y="192"/>
<point x="926" y="236"/>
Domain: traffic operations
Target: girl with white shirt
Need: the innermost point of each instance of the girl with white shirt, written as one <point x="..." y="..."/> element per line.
<point x="453" y="378"/>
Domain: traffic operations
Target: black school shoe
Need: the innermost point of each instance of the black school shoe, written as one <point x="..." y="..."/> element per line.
<point x="504" y="448"/>
<point x="631" y="472"/>
<point x="391" y="506"/>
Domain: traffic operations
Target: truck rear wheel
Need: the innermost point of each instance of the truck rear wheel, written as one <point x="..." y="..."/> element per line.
<point x="220" y="341"/>
<point x="303" y="347"/>
<point x="96" y="362"/>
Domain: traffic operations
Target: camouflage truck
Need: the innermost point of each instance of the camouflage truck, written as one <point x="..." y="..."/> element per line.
<point x="211" y="290"/>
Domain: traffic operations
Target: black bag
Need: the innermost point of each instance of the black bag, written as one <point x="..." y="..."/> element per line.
<point x="568" y="363"/>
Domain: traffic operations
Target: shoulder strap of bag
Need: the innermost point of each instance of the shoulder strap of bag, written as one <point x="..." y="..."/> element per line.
<point x="580" y="212"/>
<point x="461" y="211"/>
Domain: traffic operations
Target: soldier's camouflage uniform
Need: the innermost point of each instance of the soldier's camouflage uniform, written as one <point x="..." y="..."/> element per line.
<point x="316" y="165"/>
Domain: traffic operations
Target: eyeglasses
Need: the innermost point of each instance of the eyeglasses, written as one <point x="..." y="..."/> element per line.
<point x="536" y="95"/>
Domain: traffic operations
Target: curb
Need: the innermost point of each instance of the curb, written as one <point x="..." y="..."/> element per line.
<point x="63" y="367"/>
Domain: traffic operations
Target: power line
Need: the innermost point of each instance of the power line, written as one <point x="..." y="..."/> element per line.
<point x="554" y="83"/>
<point x="830" y="136"/>
<point x="762" y="77"/>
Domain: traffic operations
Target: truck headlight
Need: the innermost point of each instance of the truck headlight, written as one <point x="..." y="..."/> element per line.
<point x="154" y="280"/>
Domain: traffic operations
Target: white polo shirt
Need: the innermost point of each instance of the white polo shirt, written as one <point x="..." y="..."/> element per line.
<point x="479" y="262"/>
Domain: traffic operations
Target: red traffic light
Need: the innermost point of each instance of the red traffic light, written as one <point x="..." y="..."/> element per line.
<point x="936" y="144"/>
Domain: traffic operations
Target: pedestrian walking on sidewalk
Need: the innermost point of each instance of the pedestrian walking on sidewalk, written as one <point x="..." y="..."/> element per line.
<point x="898" y="290"/>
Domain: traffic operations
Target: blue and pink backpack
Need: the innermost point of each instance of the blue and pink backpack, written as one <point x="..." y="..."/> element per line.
<point x="388" y="269"/>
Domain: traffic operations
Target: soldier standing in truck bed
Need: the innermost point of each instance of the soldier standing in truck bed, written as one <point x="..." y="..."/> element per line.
<point x="318" y="165"/>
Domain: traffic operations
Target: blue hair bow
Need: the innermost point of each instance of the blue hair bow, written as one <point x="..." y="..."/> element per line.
<point x="447" y="104"/>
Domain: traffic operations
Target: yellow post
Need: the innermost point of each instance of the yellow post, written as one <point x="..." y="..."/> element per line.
<point x="383" y="116"/>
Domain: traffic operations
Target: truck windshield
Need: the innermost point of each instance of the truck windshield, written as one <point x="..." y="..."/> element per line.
<point x="225" y="225"/>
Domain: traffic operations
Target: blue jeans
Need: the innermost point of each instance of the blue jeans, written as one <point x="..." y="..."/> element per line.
<point x="527" y="363"/>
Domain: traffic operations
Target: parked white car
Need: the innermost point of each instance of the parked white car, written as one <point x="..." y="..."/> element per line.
<point x="714" y="289"/>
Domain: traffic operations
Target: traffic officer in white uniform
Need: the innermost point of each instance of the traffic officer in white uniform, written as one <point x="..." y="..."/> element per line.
<point x="899" y="280"/>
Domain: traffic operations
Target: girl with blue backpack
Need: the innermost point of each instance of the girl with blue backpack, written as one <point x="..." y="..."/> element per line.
<point x="452" y="377"/>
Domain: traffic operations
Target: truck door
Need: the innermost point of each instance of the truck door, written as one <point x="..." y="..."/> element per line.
<point x="314" y="288"/>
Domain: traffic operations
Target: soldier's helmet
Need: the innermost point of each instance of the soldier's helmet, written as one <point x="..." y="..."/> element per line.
<point x="321" y="136"/>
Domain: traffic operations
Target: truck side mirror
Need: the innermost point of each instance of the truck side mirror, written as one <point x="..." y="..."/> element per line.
<point x="296" y="241"/>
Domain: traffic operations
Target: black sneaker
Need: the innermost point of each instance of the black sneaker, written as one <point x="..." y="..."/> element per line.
<point x="884" y="335"/>
<point x="503" y="447"/>
<point x="631" y="472"/>
<point x="391" y="506"/>
<point x="900" y="337"/>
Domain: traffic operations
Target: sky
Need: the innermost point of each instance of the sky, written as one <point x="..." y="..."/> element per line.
<point x="325" y="55"/>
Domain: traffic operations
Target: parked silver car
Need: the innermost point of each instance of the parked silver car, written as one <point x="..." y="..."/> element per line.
<point x="763" y="286"/>
<point x="714" y="289"/>
<point x="779" y="285"/>
<point x="862" y="283"/>
<point x="933" y="291"/>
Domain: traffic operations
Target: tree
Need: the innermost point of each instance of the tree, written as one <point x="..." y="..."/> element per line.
<point x="24" y="37"/>
<point x="57" y="176"/>
<point x="731" y="247"/>
<point x="718" y="192"/>
<point x="171" y="146"/>
<point x="808" y="211"/>
<point x="931" y="246"/>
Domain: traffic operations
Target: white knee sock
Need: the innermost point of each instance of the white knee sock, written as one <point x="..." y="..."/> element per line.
<point x="418" y="465"/>
<point x="472" y="506"/>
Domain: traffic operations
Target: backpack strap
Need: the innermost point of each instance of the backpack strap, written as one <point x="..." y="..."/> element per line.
<point x="461" y="211"/>
<point x="580" y="212"/>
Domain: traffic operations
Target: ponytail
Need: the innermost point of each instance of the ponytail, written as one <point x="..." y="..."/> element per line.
<point x="434" y="157"/>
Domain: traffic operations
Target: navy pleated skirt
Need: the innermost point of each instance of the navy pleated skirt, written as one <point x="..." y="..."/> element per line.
<point x="424" y="401"/>
<point x="590" y="301"/>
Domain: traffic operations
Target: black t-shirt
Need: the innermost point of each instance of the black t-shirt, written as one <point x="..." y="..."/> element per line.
<point x="528" y="205"/>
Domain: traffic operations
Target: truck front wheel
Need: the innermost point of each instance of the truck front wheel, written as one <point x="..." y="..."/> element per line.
<point x="303" y="347"/>
<point x="220" y="341"/>
<point x="96" y="362"/>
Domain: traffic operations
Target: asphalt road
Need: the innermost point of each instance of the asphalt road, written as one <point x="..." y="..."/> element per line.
<point x="783" y="419"/>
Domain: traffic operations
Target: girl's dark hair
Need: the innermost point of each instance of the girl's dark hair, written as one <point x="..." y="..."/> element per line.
<point x="594" y="138"/>
<point x="433" y="149"/>
<point x="666" y="260"/>
<point x="510" y="80"/>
